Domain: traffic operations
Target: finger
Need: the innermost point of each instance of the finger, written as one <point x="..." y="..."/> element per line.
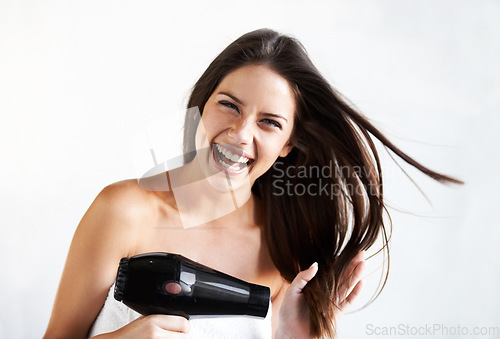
<point x="360" y="257"/>
<point x="356" y="291"/>
<point x="303" y="278"/>
<point x="347" y="285"/>
<point x="171" y="323"/>
<point x="345" y="282"/>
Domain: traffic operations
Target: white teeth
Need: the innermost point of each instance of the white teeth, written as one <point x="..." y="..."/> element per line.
<point x="225" y="165"/>
<point x="231" y="156"/>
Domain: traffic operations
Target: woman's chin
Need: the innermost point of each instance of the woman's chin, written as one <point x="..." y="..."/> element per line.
<point x="226" y="179"/>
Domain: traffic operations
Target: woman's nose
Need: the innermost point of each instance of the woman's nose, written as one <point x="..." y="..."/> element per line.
<point x="241" y="132"/>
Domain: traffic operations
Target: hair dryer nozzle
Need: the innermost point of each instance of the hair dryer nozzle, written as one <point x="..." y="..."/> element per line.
<point x="121" y="279"/>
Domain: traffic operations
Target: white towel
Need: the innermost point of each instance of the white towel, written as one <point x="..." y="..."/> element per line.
<point x="115" y="315"/>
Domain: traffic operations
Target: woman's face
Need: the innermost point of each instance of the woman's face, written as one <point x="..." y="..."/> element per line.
<point x="247" y="121"/>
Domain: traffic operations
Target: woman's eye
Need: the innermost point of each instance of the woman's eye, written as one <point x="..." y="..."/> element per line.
<point x="229" y="104"/>
<point x="273" y="123"/>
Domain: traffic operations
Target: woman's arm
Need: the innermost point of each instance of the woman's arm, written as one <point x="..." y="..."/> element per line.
<point x="106" y="233"/>
<point x="100" y="241"/>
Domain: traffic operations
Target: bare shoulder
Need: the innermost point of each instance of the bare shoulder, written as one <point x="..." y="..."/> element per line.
<point x="122" y="207"/>
<point x="125" y="198"/>
<point x="111" y="225"/>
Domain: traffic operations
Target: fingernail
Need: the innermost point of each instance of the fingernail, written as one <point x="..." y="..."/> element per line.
<point x="314" y="264"/>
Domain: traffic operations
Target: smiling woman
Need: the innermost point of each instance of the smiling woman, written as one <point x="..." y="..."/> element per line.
<point x="261" y="103"/>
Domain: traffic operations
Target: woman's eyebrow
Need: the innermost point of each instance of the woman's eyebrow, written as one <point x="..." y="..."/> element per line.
<point x="233" y="97"/>
<point x="274" y="116"/>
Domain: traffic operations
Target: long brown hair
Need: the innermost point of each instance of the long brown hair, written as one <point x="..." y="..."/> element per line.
<point x="304" y="226"/>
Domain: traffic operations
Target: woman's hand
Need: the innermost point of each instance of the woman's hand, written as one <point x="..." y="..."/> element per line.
<point x="294" y="315"/>
<point x="350" y="283"/>
<point x="152" y="326"/>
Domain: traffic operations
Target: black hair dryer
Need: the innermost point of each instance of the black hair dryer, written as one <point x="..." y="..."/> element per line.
<point x="164" y="283"/>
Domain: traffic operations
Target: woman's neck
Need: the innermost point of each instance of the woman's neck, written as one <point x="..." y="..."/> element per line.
<point x="213" y="200"/>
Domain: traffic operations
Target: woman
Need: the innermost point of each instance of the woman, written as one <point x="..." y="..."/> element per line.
<point x="279" y="173"/>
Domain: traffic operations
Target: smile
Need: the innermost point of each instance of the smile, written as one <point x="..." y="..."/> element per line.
<point x="228" y="161"/>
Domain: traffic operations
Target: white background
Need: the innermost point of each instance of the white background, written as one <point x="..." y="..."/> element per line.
<point x="80" y="82"/>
